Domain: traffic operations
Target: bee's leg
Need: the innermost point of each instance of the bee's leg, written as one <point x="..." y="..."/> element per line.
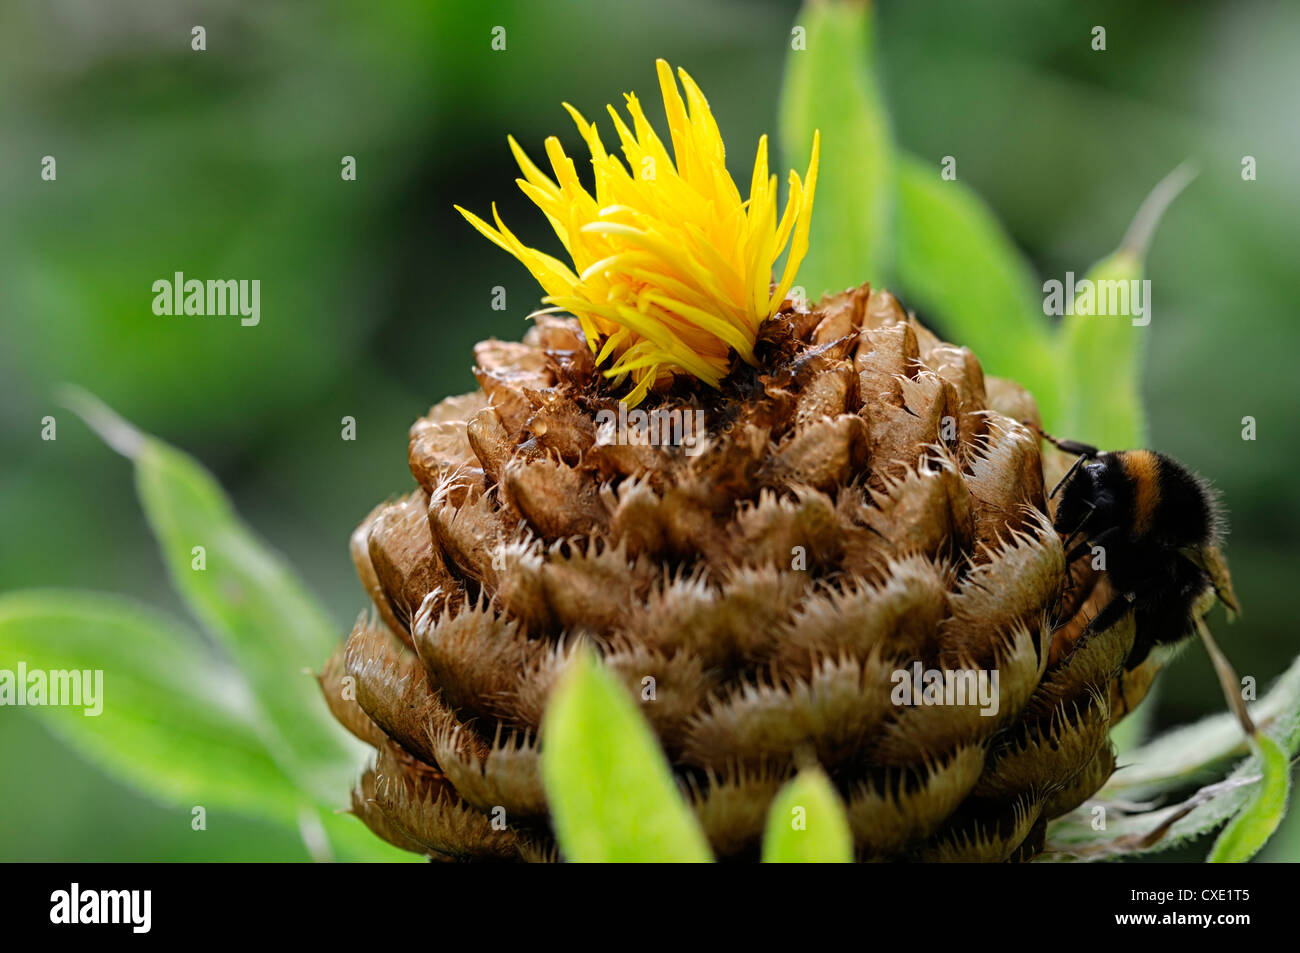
<point x="1092" y="508"/>
<point x="1108" y="616"/>
<point x="1078" y="551"/>
<point x="1101" y="539"/>
<point x="1138" y="655"/>
<point x="1069" y="559"/>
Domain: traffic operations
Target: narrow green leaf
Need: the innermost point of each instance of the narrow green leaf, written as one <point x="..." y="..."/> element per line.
<point x="956" y="262"/>
<point x="829" y="86"/>
<point x="1247" y="833"/>
<point x="1101" y="371"/>
<point x="610" y="790"/>
<point x="246" y="597"/>
<point x="1103" y="339"/>
<point x="174" y="723"/>
<point x="806" y="823"/>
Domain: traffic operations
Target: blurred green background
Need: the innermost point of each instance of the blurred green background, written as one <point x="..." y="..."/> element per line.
<point x="226" y="164"/>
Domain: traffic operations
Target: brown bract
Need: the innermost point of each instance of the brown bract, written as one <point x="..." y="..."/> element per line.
<point x="862" y="503"/>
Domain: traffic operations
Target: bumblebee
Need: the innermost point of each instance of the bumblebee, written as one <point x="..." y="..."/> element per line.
<point x="1158" y="528"/>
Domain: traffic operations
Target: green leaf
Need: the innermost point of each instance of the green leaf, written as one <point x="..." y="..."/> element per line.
<point x="1246" y="833"/>
<point x="611" y="793"/>
<point x="246" y="597"/>
<point x="828" y="86"/>
<point x="956" y="262"/>
<point x="806" y="823"/>
<point x="174" y="722"/>
<point x="1102" y="354"/>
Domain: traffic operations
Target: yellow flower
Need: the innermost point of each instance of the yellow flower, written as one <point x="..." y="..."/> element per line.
<point x="672" y="270"/>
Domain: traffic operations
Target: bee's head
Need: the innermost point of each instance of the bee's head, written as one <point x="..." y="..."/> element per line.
<point x="1090" y="495"/>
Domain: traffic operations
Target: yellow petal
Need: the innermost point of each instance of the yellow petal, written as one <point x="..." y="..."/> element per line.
<point x="671" y="269"/>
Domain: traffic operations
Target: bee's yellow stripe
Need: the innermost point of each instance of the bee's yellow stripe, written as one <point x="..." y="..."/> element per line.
<point x="1143" y="470"/>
